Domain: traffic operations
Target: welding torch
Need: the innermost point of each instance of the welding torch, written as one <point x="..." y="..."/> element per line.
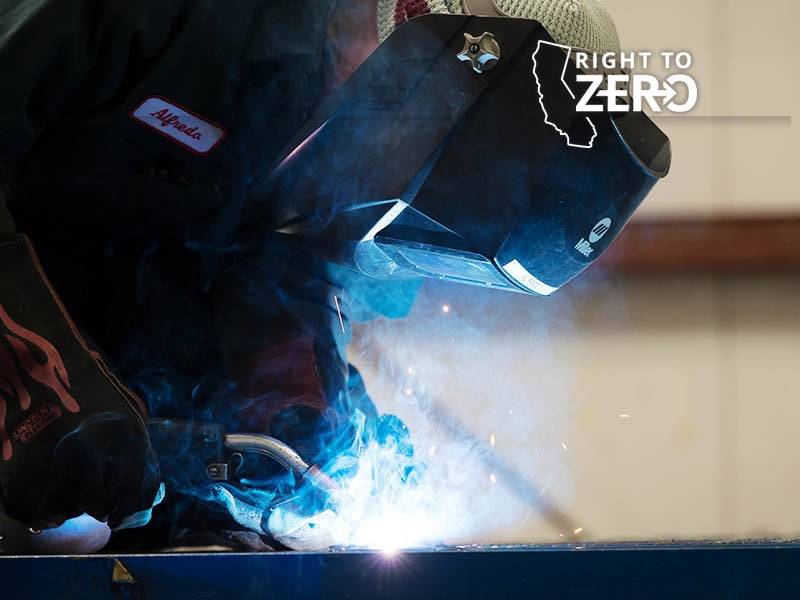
<point x="196" y="452"/>
<point x="190" y="453"/>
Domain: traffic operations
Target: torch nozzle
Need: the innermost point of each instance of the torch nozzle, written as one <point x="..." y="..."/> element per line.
<point x="283" y="454"/>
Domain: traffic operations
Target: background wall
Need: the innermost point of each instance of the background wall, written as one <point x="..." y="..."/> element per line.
<point x="735" y="153"/>
<point x="636" y="407"/>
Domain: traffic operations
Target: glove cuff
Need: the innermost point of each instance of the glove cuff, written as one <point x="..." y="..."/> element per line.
<point x="56" y="393"/>
<point x="27" y="299"/>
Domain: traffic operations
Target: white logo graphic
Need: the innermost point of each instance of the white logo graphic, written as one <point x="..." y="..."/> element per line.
<point x="195" y="133"/>
<point x="584" y="248"/>
<point x="609" y="87"/>
<point x="582" y="143"/>
<point x="625" y="92"/>
<point x="526" y="278"/>
<point x="600" y="230"/>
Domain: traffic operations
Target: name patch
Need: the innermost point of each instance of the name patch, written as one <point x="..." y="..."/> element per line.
<point x="195" y="133"/>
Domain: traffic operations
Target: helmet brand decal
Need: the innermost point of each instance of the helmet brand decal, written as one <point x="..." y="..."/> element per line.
<point x="600" y="230"/>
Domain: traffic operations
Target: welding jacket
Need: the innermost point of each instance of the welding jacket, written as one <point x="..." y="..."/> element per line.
<point x="132" y="137"/>
<point x="129" y="129"/>
<point x="79" y="148"/>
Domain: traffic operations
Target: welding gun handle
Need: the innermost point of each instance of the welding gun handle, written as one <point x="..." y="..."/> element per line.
<point x="194" y="452"/>
<point x="277" y="450"/>
<point x="282" y="454"/>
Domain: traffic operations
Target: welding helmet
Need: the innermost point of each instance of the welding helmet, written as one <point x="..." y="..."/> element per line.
<point x="455" y="151"/>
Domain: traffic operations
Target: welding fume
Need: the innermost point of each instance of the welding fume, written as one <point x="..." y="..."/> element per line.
<point x="197" y="201"/>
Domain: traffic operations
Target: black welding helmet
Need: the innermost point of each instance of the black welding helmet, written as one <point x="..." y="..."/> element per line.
<point x="455" y="151"/>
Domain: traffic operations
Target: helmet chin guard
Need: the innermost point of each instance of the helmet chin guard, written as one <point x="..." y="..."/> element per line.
<point x="423" y="164"/>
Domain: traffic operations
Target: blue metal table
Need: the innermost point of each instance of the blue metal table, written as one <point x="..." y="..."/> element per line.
<point x="705" y="570"/>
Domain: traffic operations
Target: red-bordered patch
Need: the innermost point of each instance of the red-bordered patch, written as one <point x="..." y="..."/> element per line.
<point x="179" y="124"/>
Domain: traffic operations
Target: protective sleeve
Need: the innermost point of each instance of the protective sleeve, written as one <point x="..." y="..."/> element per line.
<point x="66" y="58"/>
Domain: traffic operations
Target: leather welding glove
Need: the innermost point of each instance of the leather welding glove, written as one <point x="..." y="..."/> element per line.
<point x="72" y="436"/>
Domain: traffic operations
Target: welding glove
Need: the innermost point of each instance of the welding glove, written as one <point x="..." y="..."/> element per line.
<point x="72" y="436"/>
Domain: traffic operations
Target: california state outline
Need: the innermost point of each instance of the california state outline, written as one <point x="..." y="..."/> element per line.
<point x="555" y="93"/>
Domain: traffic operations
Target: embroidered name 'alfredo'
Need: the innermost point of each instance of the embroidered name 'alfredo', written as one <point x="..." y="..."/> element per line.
<point x="169" y="119"/>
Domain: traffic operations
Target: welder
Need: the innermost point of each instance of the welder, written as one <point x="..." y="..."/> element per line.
<point x="145" y="268"/>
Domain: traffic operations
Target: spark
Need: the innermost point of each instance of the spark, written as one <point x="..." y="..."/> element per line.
<point x="339" y="310"/>
<point x="511" y="412"/>
<point x="564" y="446"/>
<point x="493" y="478"/>
<point x="491" y="440"/>
<point x="409" y="391"/>
<point x="445" y="308"/>
<point x="432" y="451"/>
<point x="410" y="370"/>
<point x="578" y="530"/>
<point x="624" y="416"/>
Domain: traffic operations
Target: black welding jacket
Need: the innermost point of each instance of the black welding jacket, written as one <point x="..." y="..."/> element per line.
<point x="74" y="156"/>
<point x="137" y="128"/>
<point x="127" y="216"/>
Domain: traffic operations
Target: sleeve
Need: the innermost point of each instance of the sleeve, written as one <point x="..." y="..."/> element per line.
<point x="63" y="58"/>
<point x="67" y="57"/>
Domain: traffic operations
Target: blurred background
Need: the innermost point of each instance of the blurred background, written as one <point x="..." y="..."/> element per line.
<point x="658" y="396"/>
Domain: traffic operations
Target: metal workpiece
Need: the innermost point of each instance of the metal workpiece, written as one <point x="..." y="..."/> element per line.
<point x="705" y="570"/>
